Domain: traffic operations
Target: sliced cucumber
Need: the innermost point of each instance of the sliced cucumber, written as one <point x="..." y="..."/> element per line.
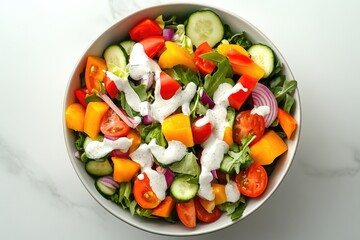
<point x="127" y="45"/>
<point x="183" y="190"/>
<point x="204" y="26"/>
<point x="263" y="56"/>
<point x="116" y="58"/>
<point x="104" y="190"/>
<point x="99" y="168"/>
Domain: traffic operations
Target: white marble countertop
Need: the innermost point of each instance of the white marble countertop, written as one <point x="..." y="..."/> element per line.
<point x="41" y="195"/>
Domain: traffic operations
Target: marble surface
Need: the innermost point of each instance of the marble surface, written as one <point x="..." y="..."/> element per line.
<point x="41" y="195"/>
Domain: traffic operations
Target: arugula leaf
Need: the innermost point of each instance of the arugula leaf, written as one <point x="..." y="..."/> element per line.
<point x="79" y="140"/>
<point x="235" y="209"/>
<point x="241" y="39"/>
<point x="140" y="90"/>
<point x="188" y="165"/>
<point x="215" y="57"/>
<point x="234" y="159"/>
<point x="152" y="131"/>
<point x="124" y="105"/>
<point x="221" y="75"/>
<point x="184" y="76"/>
<point x="283" y="90"/>
<point x="196" y="106"/>
<point x="136" y="209"/>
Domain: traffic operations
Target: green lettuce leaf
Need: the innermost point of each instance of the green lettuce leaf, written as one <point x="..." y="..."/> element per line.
<point x="152" y="131"/>
<point x="188" y="165"/>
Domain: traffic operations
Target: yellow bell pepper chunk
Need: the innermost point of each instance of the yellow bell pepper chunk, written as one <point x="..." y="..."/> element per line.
<point x="74" y="117"/>
<point x="228" y="135"/>
<point x="224" y="49"/>
<point x="124" y="169"/>
<point x="93" y="115"/>
<point x="176" y="55"/>
<point x="177" y="127"/>
<point x="220" y="193"/>
<point x="269" y="147"/>
<point x="136" y="140"/>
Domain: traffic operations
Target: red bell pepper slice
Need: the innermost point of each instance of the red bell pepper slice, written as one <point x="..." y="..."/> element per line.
<point x="110" y="87"/>
<point x="152" y="45"/>
<point x="80" y="95"/>
<point x="237" y="99"/>
<point x="204" y="66"/>
<point x="168" y="86"/>
<point x="145" y="28"/>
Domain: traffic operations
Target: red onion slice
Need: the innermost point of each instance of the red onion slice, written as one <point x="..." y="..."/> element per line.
<point x="147" y="120"/>
<point x="206" y="99"/>
<point x="169" y="175"/>
<point x="262" y="96"/>
<point x="109" y="182"/>
<point x="128" y="120"/>
<point x="119" y="154"/>
<point x="168" y="34"/>
<point x="214" y="174"/>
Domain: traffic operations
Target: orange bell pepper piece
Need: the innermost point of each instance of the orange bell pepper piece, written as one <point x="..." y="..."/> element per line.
<point x="228" y="136"/>
<point x="93" y="115"/>
<point x="240" y="61"/>
<point x="287" y="122"/>
<point x="177" y="127"/>
<point x="219" y="192"/>
<point x="269" y="147"/>
<point x="124" y="169"/>
<point x="209" y="206"/>
<point x="136" y="140"/>
<point x="175" y="55"/>
<point x="74" y="117"/>
<point x="94" y="72"/>
<point x="165" y="208"/>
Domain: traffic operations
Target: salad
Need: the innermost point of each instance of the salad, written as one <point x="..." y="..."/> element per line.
<point x="182" y="121"/>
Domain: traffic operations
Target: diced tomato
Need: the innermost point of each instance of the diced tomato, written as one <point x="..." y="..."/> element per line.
<point x="168" y="86"/>
<point x="111" y="125"/>
<point x="200" y="132"/>
<point x="204" y="66"/>
<point x="80" y="95"/>
<point x="152" y="45"/>
<point x="94" y="72"/>
<point x="204" y="215"/>
<point x="246" y="124"/>
<point x="253" y="181"/>
<point x="187" y="214"/>
<point x="145" y="28"/>
<point x="144" y="195"/>
<point x="237" y="99"/>
<point x="110" y="87"/>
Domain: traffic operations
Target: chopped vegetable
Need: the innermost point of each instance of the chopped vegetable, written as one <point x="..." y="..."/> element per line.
<point x="165" y="207"/>
<point x="94" y="72"/>
<point x="177" y="127"/>
<point x="287" y="122"/>
<point x="145" y="28"/>
<point x="219" y="192"/>
<point x="93" y="116"/>
<point x="262" y="96"/>
<point x="269" y="147"/>
<point x="75" y="117"/>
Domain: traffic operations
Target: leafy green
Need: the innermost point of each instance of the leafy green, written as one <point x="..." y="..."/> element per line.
<point x="221" y="75"/>
<point x="230" y="116"/>
<point x="123" y="197"/>
<point x="125" y="106"/>
<point x="283" y="90"/>
<point x="241" y="39"/>
<point x="140" y="90"/>
<point x="79" y="140"/>
<point x="152" y="131"/>
<point x="215" y="57"/>
<point x="92" y="98"/>
<point x="184" y="76"/>
<point x="235" y="209"/>
<point x="182" y="39"/>
<point x="196" y="106"/>
<point x="188" y="165"/>
<point x="136" y="209"/>
<point x="237" y="155"/>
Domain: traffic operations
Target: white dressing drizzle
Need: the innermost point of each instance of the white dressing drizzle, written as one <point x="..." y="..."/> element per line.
<point x="261" y="110"/>
<point x="232" y="192"/>
<point x="96" y="149"/>
<point x="175" y="151"/>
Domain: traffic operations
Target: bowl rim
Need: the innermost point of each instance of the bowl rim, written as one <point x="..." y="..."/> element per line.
<point x="190" y="232"/>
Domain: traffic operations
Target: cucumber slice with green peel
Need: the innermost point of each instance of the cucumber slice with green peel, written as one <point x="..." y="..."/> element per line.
<point x="116" y="58"/>
<point x="183" y="190"/>
<point x="204" y="26"/>
<point x="104" y="190"/>
<point x="99" y="168"/>
<point x="263" y="56"/>
<point x="127" y="45"/>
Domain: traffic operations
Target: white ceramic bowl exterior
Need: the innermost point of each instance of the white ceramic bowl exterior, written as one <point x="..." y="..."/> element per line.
<point x="118" y="32"/>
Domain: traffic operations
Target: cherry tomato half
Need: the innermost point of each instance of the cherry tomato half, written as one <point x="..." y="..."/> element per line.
<point x="143" y="193"/>
<point x="253" y="181"/>
<point x="94" y="72"/>
<point x="204" y="215"/>
<point x="247" y="123"/>
<point x="112" y="125"/>
<point x="145" y="28"/>
<point x="187" y="214"/>
<point x="200" y="132"/>
<point x="168" y="86"/>
<point x="204" y="66"/>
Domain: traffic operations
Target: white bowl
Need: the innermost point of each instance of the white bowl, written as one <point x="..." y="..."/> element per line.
<point x="118" y="32"/>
